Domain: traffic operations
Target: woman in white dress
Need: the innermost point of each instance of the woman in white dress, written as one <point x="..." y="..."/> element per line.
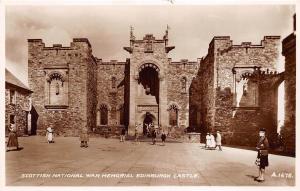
<point x="212" y="141"/>
<point x="208" y="141"/>
<point x="49" y="135"/>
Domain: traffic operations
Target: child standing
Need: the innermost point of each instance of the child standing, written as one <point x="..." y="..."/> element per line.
<point x="84" y="138"/>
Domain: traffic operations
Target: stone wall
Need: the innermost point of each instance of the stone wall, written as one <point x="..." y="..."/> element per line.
<point x="289" y="51"/>
<point x="112" y="97"/>
<point x="214" y="89"/>
<point x="176" y="94"/>
<point x="19" y="109"/>
<point x="203" y="95"/>
<point x="241" y="129"/>
<point x="92" y="70"/>
<point x="75" y="59"/>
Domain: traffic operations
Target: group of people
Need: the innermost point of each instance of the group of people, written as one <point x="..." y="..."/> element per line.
<point x="212" y="142"/>
<point x="262" y="147"/>
<point x="150" y="131"/>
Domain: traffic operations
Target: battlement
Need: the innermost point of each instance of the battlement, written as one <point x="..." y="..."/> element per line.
<point x="223" y="47"/>
<point x="182" y="62"/>
<point x="111" y="62"/>
<point x="59" y="46"/>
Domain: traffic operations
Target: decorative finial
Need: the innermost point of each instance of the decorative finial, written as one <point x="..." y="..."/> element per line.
<point x="167" y="32"/>
<point x="132" y="37"/>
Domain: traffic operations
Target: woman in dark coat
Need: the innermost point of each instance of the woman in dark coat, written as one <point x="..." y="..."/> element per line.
<point x="262" y="154"/>
<point x="12" y="138"/>
<point x="154" y="136"/>
<point x="163" y="137"/>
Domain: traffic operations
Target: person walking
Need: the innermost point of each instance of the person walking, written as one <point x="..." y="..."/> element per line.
<point x="136" y="134"/>
<point x="212" y="141"/>
<point x="219" y="141"/>
<point x="208" y="142"/>
<point x="262" y="154"/>
<point x="122" y="136"/>
<point x="84" y="138"/>
<point x="163" y="138"/>
<point x="12" y="138"/>
<point x="49" y="135"/>
<point x="153" y="136"/>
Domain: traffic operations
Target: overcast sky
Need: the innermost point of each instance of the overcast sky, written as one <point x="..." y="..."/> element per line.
<point x="107" y="28"/>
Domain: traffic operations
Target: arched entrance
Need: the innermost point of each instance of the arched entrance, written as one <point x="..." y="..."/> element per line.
<point x="147" y="99"/>
<point x="149" y="120"/>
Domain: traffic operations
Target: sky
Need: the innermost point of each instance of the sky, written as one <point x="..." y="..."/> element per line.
<point x="107" y="27"/>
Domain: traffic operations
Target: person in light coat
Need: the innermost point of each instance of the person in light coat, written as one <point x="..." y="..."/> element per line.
<point x="49" y="135"/>
<point x="208" y="141"/>
<point x="84" y="138"/>
<point x="219" y="141"/>
<point x="212" y="141"/>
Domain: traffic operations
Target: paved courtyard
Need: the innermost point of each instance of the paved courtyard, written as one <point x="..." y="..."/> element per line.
<point x="107" y="162"/>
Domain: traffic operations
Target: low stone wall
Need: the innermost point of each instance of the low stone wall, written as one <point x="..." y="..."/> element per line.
<point x="192" y="137"/>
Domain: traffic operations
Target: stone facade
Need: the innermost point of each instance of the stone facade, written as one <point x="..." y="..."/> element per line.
<point x="289" y="51"/>
<point x="74" y="89"/>
<point x="228" y="100"/>
<point x="74" y="70"/>
<point x="179" y="78"/>
<point x="110" y="94"/>
<point x="17" y="105"/>
<point x="232" y="89"/>
<point x="168" y="85"/>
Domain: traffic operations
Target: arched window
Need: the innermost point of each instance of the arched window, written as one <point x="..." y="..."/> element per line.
<point x="103" y="114"/>
<point x="113" y="82"/>
<point x="56" y="89"/>
<point x="173" y="115"/>
<point x="183" y="84"/>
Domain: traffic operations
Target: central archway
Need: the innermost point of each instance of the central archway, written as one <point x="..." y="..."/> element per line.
<point x="149" y="79"/>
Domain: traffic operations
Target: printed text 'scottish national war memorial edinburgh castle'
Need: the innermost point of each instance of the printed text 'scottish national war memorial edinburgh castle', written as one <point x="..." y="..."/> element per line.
<point x="233" y="89"/>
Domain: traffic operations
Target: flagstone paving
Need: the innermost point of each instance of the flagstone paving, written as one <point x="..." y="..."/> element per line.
<point x="108" y="161"/>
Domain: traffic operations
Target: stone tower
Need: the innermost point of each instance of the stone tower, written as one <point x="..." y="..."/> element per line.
<point x="63" y="81"/>
<point x="147" y="81"/>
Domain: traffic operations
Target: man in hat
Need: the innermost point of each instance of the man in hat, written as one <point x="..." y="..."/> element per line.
<point x="262" y="154"/>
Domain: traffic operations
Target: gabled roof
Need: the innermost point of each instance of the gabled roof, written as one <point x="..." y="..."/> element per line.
<point x="14" y="81"/>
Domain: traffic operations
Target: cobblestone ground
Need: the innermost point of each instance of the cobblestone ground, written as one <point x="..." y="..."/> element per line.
<point x="176" y="164"/>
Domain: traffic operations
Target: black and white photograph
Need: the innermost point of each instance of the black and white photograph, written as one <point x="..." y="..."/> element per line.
<point x="162" y="94"/>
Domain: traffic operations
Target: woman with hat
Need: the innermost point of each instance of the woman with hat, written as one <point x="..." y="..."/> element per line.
<point x="12" y="137"/>
<point x="262" y="154"/>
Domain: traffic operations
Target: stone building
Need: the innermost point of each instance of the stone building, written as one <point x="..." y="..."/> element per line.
<point x="64" y="82"/>
<point x="235" y="89"/>
<point x="17" y="105"/>
<point x="289" y="52"/>
<point x="73" y="89"/>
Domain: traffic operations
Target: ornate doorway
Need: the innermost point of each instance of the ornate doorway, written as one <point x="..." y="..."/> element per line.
<point x="148" y="122"/>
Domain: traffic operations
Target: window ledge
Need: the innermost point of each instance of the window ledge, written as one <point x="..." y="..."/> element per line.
<point x="56" y="106"/>
<point x="246" y="108"/>
<point x="148" y="51"/>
